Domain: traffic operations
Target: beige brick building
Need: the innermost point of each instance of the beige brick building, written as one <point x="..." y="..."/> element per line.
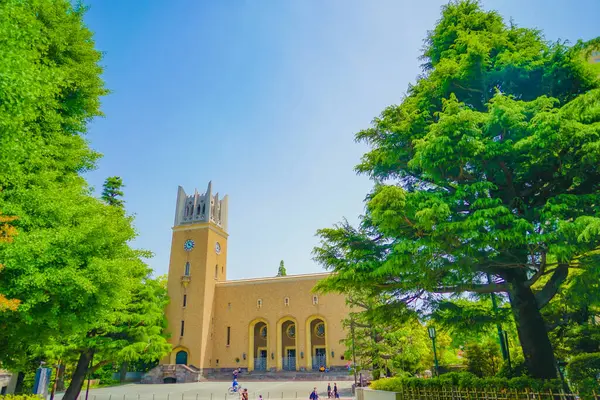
<point x="265" y="324"/>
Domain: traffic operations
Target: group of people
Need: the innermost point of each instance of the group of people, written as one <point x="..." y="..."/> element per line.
<point x="330" y="393"/>
<point x="236" y="386"/>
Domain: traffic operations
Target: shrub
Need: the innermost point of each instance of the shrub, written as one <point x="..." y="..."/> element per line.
<point x="466" y="380"/>
<point x="517" y="369"/>
<point x="583" y="372"/>
<point x="20" y="397"/>
<point x="483" y="359"/>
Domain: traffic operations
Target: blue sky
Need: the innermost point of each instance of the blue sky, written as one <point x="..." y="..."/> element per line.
<point x="263" y="97"/>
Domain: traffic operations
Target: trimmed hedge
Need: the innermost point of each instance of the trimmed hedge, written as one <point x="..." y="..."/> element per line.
<point x="466" y="380"/>
<point x="583" y="372"/>
<point x="20" y="397"/>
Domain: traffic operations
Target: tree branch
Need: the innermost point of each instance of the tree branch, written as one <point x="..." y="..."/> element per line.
<point x="540" y="272"/>
<point x="551" y="287"/>
<point x="475" y="288"/>
<point x="99" y="365"/>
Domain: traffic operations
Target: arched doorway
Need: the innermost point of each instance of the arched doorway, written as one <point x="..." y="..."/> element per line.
<point x="316" y="343"/>
<point x="170" y="379"/>
<point x="258" y="336"/>
<point x="181" y="357"/>
<point x="287" y="350"/>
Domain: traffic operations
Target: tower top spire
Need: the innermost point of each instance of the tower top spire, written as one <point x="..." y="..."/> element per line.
<point x="198" y="208"/>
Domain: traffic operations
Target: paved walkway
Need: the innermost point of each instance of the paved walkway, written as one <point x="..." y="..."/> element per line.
<point x="215" y="391"/>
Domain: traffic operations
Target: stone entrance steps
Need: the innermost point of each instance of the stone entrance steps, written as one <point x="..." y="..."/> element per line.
<point x="331" y="376"/>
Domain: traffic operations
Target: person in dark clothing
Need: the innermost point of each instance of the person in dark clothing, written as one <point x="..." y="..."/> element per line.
<point x="314" y="395"/>
<point x="335" y="391"/>
<point x="329" y="390"/>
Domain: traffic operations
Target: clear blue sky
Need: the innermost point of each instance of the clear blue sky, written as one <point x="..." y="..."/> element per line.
<point x="263" y="97"/>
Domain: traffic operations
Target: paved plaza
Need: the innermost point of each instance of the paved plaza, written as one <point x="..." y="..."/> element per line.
<point x="215" y="391"/>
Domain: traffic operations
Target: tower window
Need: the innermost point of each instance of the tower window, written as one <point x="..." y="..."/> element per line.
<point x="187" y="269"/>
<point x="228" y="335"/>
<point x="259" y="303"/>
<point x="315" y="300"/>
<point x="216" y="271"/>
<point x="185" y="300"/>
<point x="182" y="327"/>
<point x="286" y="301"/>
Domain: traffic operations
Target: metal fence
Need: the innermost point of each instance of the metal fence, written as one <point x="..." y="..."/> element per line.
<point x="205" y="396"/>
<point x="410" y="393"/>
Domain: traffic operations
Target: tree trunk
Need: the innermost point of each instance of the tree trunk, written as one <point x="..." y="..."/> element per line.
<point x="79" y="374"/>
<point x="123" y="374"/>
<point x="60" y="378"/>
<point x="533" y="335"/>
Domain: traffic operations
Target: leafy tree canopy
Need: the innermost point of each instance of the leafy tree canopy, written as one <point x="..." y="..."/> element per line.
<point x="81" y="287"/>
<point x="490" y="165"/>
<point x="281" y="271"/>
<point x="112" y="192"/>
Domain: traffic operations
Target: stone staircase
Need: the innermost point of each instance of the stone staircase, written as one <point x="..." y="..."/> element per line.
<point x="171" y="373"/>
<point x="331" y="376"/>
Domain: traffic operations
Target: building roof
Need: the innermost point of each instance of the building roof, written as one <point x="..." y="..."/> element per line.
<point x="275" y="279"/>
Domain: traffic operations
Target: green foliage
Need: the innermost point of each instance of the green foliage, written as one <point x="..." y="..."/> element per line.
<point x="483" y="359"/>
<point x="112" y="192"/>
<point x="465" y="380"/>
<point x="82" y="288"/>
<point x="571" y="313"/>
<point x="382" y="342"/>
<point x="281" y="270"/>
<point x="69" y="244"/>
<point x="516" y="369"/>
<point x="20" y="397"/>
<point x="583" y="371"/>
<point x="489" y="165"/>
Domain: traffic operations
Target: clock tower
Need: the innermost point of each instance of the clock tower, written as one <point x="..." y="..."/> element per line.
<point x="198" y="261"/>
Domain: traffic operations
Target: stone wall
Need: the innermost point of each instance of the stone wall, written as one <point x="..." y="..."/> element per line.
<point x="171" y="373"/>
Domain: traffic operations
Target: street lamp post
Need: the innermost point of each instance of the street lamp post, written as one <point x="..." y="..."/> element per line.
<point x="431" y="331"/>
<point x="501" y="334"/>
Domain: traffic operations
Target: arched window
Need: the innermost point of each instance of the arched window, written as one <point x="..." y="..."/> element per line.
<point x="216" y="271"/>
<point x="315" y="300"/>
<point x="286" y="301"/>
<point x="187" y="269"/>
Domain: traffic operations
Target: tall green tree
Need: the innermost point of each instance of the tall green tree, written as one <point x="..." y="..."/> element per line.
<point x="132" y="331"/>
<point x="82" y="288"/>
<point x="489" y="165"/>
<point x="64" y="251"/>
<point x="281" y="270"/>
<point x="112" y="191"/>
<point x="384" y="343"/>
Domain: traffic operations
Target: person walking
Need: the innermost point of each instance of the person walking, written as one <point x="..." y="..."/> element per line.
<point x="244" y="395"/>
<point x="329" y="390"/>
<point x="314" y="395"/>
<point x="335" y="391"/>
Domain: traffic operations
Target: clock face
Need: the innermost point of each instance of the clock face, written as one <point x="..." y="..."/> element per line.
<point x="188" y="245"/>
<point x="218" y="248"/>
